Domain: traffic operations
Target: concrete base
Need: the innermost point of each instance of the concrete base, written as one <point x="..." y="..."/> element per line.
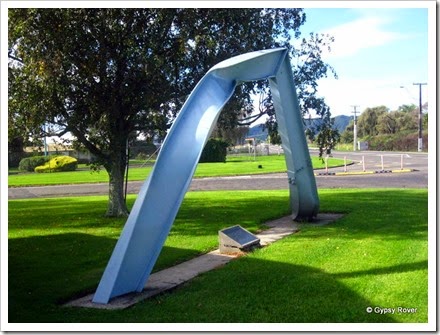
<point x="323" y="219"/>
<point x="161" y="281"/>
<point x="170" y="278"/>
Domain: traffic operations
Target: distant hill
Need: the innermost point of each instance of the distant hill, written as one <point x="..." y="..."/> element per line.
<point x="341" y="122"/>
<point x="258" y="132"/>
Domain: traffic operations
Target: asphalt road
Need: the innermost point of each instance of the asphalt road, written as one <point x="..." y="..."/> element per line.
<point x="372" y="161"/>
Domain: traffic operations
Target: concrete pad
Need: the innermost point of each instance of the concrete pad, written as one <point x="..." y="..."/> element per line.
<point x="172" y="277"/>
<point x="278" y="229"/>
<point x="160" y="281"/>
<point x="323" y="219"/>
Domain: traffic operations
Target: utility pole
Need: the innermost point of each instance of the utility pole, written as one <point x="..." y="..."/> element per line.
<point x="354" y="127"/>
<point x="420" y="141"/>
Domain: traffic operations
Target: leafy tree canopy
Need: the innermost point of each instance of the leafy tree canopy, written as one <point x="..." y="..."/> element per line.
<point x="103" y="74"/>
<point x="368" y="120"/>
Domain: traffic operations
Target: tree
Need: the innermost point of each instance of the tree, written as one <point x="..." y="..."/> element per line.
<point x="425" y="121"/>
<point x="347" y="135"/>
<point x="105" y="74"/>
<point x="327" y="137"/>
<point x="368" y="121"/>
<point x="404" y="119"/>
<point x="408" y="109"/>
<point x="19" y="131"/>
<point x="387" y="123"/>
<point x="408" y="117"/>
<point x="232" y="135"/>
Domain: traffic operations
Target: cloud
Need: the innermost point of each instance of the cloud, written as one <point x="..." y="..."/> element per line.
<point x="358" y="35"/>
<point x="375" y="52"/>
<point x="343" y="93"/>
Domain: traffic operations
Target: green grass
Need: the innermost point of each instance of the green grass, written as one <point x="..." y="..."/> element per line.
<point x="234" y="166"/>
<point x="373" y="256"/>
<point x="344" y="147"/>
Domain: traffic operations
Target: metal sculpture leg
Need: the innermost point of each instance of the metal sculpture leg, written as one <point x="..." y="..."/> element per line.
<point x="159" y="199"/>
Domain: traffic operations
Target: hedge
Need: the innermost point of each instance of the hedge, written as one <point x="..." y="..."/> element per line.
<point x="30" y="163"/>
<point x="214" y="151"/>
<point x="58" y="164"/>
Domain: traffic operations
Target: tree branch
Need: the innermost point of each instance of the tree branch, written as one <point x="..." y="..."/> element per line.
<point x="89" y="145"/>
<point x="15" y="58"/>
<point x="63" y="132"/>
<point x="254" y="118"/>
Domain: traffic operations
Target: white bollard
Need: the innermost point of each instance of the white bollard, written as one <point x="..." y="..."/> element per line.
<point x="345" y="163"/>
<point x="381" y="161"/>
<point x="363" y="163"/>
<point x="401" y="162"/>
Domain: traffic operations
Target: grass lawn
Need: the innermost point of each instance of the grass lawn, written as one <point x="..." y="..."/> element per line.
<point x="373" y="256"/>
<point x="241" y="165"/>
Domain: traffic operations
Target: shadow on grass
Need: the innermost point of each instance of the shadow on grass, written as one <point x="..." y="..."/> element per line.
<point x="44" y="271"/>
<point x="262" y="291"/>
<point x="48" y="270"/>
<point x="390" y="214"/>
<point x="205" y="216"/>
<point x="401" y="268"/>
<point x="251" y="289"/>
<point x="38" y="216"/>
<point x="385" y="214"/>
<point x="199" y="215"/>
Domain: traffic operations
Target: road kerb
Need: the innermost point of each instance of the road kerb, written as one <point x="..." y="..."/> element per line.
<point x="352" y="173"/>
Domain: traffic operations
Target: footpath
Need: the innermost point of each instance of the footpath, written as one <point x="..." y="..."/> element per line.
<point x="173" y="277"/>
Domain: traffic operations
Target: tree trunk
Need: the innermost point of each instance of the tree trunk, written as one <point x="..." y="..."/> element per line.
<point x="116" y="202"/>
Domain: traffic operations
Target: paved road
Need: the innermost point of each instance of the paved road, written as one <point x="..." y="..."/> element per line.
<point x="373" y="162"/>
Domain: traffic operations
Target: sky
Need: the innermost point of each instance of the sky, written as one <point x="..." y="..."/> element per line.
<point x="378" y="54"/>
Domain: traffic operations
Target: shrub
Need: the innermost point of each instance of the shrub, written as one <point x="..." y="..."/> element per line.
<point x="14" y="158"/>
<point x="397" y="142"/>
<point x="214" y="151"/>
<point x="58" y="164"/>
<point x="30" y="163"/>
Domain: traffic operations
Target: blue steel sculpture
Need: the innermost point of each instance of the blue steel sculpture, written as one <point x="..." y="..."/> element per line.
<point x="161" y="195"/>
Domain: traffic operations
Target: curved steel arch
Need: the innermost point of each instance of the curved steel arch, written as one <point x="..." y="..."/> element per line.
<point x="161" y="195"/>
